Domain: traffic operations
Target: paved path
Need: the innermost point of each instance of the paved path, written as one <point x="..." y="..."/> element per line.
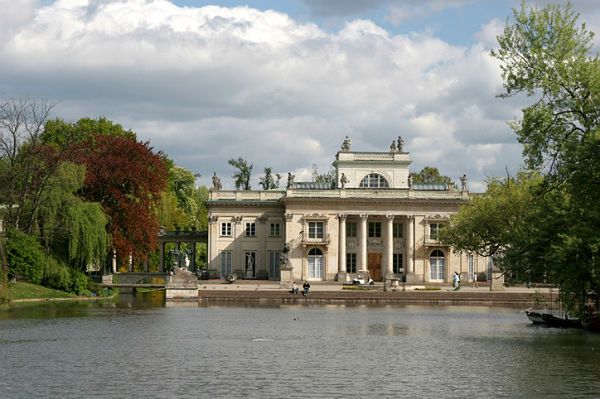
<point x="327" y="292"/>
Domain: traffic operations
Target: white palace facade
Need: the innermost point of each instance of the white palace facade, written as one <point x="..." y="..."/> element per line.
<point x="373" y="219"/>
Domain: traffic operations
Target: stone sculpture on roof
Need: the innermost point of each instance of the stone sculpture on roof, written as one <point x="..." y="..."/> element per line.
<point x="346" y="144"/>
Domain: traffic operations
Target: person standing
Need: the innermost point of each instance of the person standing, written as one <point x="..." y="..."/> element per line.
<point x="475" y="285"/>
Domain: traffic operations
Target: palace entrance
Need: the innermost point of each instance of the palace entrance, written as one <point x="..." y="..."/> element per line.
<point x="374" y="265"/>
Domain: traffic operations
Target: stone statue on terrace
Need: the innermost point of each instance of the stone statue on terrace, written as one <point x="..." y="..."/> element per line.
<point x="393" y="147"/>
<point x="346" y="144"/>
<point x="400" y="144"/>
<point x="290" y="181"/>
<point x="216" y="182"/>
<point x="463" y="182"/>
<point x="343" y="181"/>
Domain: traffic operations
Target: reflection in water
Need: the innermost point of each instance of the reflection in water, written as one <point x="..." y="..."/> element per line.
<point x="137" y="347"/>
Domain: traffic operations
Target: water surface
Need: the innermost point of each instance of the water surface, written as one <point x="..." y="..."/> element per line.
<point x="136" y="349"/>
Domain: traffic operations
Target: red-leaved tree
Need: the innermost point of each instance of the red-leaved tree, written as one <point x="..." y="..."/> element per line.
<point x="126" y="177"/>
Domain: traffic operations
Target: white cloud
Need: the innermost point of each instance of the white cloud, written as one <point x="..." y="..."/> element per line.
<point x="213" y="83"/>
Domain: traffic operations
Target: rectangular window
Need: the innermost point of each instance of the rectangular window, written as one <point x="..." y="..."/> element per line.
<point x="470" y="265"/>
<point x="351" y="263"/>
<point x="225" y="263"/>
<point x="274" y="270"/>
<point x="434" y="231"/>
<point x="397" y="264"/>
<point x="316" y="229"/>
<point x="398" y="230"/>
<point x="351" y="229"/>
<point x="275" y="230"/>
<point x="250" y="229"/>
<point x="374" y="229"/>
<point x="226" y="229"/>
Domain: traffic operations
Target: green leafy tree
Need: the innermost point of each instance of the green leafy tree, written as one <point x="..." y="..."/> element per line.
<point x="502" y="223"/>
<point x="546" y="55"/>
<point x="268" y="181"/>
<point x="242" y="175"/>
<point x="61" y="133"/>
<point x="170" y="215"/>
<point x="25" y="256"/>
<point x="328" y="177"/>
<point x="430" y="175"/>
<point x="66" y="221"/>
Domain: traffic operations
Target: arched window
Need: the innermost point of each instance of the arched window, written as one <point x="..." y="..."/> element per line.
<point x="315" y="264"/>
<point x="437" y="265"/>
<point x="374" y="180"/>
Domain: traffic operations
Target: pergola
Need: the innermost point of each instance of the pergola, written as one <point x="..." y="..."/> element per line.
<point x="178" y="237"/>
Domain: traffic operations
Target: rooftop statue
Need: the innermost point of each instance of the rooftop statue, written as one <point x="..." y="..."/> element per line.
<point x="393" y="147"/>
<point x="290" y="181"/>
<point x="463" y="182"/>
<point x="400" y="144"/>
<point x="346" y="144"/>
<point x="216" y="182"/>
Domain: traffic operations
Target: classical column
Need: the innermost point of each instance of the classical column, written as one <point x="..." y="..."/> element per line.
<point x="161" y="262"/>
<point x="389" y="246"/>
<point x="114" y="261"/>
<point x="410" y="244"/>
<point x="342" y="248"/>
<point x="193" y="257"/>
<point x="362" y="246"/>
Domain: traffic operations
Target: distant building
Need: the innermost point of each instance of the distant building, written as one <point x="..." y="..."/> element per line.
<point x="371" y="219"/>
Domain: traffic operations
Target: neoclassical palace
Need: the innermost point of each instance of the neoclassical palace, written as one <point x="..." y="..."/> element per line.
<point x="372" y="219"/>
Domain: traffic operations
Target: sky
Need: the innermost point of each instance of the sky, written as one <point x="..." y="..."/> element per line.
<point x="278" y="83"/>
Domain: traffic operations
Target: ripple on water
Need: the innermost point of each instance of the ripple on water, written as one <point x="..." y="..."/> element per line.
<point x="294" y="351"/>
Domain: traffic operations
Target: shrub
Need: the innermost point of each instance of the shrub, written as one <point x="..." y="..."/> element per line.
<point x="482" y="276"/>
<point x="57" y="275"/>
<point x="79" y="282"/>
<point x="25" y="256"/>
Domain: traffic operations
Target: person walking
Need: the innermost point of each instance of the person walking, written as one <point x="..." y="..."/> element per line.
<point x="475" y="285"/>
<point x="456" y="281"/>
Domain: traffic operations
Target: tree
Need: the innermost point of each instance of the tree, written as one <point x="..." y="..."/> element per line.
<point x="268" y="182"/>
<point x="72" y="228"/>
<point x="430" y="175"/>
<point x="500" y="223"/>
<point x="545" y="54"/>
<point x="61" y="133"/>
<point x="127" y="178"/>
<point x="242" y="175"/>
<point x="328" y="177"/>
<point x="26" y="163"/>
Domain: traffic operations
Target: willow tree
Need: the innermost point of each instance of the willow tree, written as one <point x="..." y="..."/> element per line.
<point x="68" y="222"/>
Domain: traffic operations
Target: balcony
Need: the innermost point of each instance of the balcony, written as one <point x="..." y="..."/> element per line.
<point x="324" y="240"/>
<point x="432" y="241"/>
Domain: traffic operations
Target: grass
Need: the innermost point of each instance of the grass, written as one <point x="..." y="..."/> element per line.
<point x="23" y="290"/>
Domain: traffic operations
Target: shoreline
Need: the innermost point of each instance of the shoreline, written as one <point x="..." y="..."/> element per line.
<point x="245" y="292"/>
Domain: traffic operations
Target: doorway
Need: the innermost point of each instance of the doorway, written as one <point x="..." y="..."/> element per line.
<point x="374" y="265"/>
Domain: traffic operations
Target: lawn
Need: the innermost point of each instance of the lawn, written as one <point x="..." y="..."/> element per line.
<point x="22" y="290"/>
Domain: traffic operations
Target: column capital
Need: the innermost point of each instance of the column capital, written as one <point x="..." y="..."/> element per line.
<point x="342" y="216"/>
<point x="390" y="217"/>
<point x="364" y="217"/>
<point x="288" y="217"/>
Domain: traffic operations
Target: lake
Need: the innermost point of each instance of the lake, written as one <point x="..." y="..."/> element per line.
<point x="142" y="348"/>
